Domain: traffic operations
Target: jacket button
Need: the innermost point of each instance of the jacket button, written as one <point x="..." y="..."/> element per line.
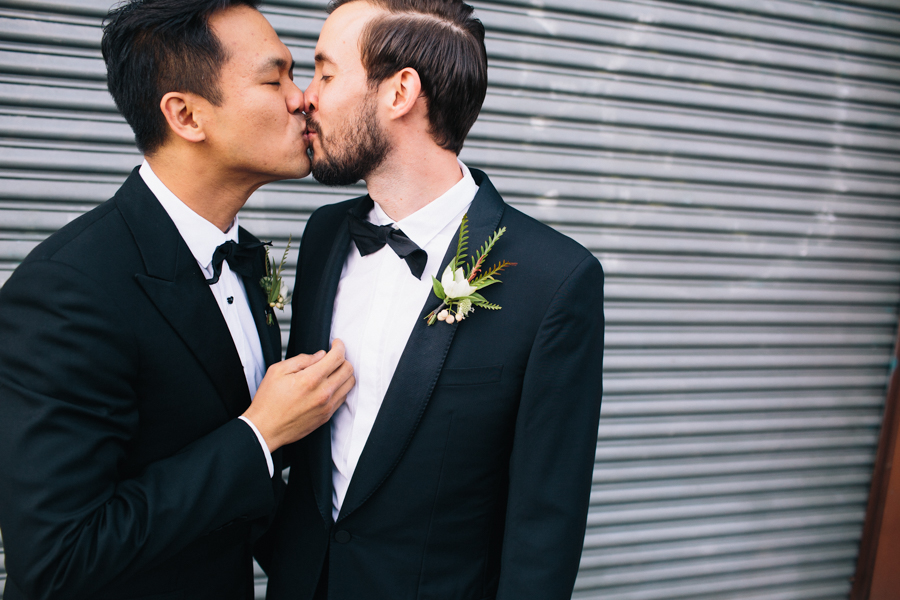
<point x="342" y="537"/>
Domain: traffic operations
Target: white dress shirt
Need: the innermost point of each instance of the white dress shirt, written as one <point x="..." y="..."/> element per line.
<point x="377" y="305"/>
<point x="202" y="238"/>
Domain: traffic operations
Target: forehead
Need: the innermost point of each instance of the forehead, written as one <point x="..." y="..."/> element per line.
<point x="339" y="40"/>
<point x="247" y="37"/>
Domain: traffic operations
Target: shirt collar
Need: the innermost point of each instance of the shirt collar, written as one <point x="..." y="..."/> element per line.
<point x="201" y="236"/>
<point x="424" y="224"/>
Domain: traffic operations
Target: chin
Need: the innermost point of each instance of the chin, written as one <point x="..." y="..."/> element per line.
<point x="304" y="169"/>
<point x="299" y="168"/>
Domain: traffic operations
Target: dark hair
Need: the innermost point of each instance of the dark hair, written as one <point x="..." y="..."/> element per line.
<point x="153" y="47"/>
<point x="444" y="43"/>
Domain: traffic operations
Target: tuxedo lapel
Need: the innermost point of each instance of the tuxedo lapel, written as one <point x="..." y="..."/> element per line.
<point x="176" y="285"/>
<point x="269" y="335"/>
<point x="418" y="369"/>
<point x="319" y="333"/>
<point x="320" y="328"/>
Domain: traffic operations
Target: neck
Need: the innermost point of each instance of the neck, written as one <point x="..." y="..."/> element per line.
<point x="215" y="196"/>
<point x="408" y="181"/>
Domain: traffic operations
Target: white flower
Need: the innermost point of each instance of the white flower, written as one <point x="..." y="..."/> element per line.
<point x="283" y="292"/>
<point x="455" y="284"/>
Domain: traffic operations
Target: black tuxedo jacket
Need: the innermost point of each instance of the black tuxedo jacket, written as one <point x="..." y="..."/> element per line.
<point x="124" y="472"/>
<point x="475" y="480"/>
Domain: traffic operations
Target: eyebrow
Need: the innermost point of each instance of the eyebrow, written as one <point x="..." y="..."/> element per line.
<point x="275" y="62"/>
<point x="322" y="57"/>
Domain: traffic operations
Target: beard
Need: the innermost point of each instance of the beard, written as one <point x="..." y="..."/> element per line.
<point x="351" y="152"/>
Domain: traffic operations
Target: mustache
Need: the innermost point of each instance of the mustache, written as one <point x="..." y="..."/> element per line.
<point x="312" y="125"/>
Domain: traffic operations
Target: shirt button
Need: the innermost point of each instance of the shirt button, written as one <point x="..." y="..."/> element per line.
<point x="342" y="537"/>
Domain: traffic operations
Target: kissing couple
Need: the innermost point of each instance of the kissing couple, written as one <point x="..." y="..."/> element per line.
<point x="439" y="403"/>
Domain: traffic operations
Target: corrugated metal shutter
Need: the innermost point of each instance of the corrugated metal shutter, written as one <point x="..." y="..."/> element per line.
<point x="737" y="174"/>
<point x="735" y="167"/>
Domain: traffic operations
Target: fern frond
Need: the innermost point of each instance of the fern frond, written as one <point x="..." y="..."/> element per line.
<point x="487" y="305"/>
<point x="461" y="246"/>
<point x="496" y="269"/>
<point x="283" y="256"/>
<point x="270" y="265"/>
<point x="482" y="252"/>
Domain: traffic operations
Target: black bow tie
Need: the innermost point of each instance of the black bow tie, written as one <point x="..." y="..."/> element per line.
<point x="370" y="238"/>
<point x="243" y="258"/>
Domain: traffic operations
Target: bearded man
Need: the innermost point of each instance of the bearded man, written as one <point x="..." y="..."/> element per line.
<point x="460" y="466"/>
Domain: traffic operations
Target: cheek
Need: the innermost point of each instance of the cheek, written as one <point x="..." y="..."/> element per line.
<point x="337" y="102"/>
<point x="271" y="120"/>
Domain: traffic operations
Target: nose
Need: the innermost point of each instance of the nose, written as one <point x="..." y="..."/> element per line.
<point x="311" y="97"/>
<point x="295" y="99"/>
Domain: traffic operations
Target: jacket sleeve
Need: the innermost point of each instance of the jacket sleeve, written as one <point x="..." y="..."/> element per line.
<point x="71" y="521"/>
<point x="555" y="443"/>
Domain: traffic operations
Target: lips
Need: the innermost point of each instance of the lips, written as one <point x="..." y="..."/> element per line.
<point x="312" y="128"/>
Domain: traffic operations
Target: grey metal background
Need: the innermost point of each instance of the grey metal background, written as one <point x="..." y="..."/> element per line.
<point x="735" y="165"/>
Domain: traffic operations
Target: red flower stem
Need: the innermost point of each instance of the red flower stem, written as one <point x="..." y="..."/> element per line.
<point x="476" y="268"/>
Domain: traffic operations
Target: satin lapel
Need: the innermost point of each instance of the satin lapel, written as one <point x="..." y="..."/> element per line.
<point x="320" y="331"/>
<point x="269" y="335"/>
<point x="419" y="368"/>
<point x="175" y="284"/>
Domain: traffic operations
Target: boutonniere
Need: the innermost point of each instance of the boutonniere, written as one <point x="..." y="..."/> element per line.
<point x="273" y="284"/>
<point x="459" y="291"/>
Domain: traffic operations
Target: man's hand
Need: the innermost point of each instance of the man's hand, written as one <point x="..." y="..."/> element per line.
<point x="300" y="394"/>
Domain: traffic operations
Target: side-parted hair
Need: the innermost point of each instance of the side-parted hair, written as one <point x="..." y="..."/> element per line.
<point x="153" y="47"/>
<point x="444" y="43"/>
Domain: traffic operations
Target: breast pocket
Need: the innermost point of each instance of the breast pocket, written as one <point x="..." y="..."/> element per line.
<point x="470" y="375"/>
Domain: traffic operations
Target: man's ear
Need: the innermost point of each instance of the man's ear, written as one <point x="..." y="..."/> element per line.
<point x="403" y="92"/>
<point x="184" y="114"/>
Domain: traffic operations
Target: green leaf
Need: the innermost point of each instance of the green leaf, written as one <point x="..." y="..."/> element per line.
<point x="438" y="288"/>
<point x="483" y="283"/>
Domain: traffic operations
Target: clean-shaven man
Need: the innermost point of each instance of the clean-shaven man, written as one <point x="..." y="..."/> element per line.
<point x="132" y="461"/>
<point x="460" y="466"/>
